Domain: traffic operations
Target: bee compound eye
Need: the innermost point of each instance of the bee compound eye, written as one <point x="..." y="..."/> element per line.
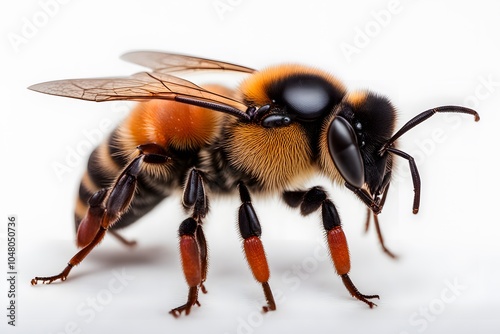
<point x="344" y="150"/>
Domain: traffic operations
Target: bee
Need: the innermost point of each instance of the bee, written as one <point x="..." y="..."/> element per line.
<point x="283" y="125"/>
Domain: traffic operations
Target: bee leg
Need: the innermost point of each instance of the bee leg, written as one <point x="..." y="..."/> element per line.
<point x="254" y="250"/>
<point x="75" y="260"/>
<point x="119" y="237"/>
<point x="191" y="264"/>
<point x="105" y="208"/>
<point x="368" y="218"/>
<point x="311" y="201"/>
<point x="369" y="214"/>
<point x="202" y="245"/>
<point x="193" y="245"/>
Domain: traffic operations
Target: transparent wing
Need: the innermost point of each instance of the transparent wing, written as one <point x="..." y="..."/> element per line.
<point x="163" y="62"/>
<point x="143" y="86"/>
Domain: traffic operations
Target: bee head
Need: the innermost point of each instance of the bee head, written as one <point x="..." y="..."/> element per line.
<point x="360" y="126"/>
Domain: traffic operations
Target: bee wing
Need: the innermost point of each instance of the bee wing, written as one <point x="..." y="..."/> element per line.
<point x="163" y="62"/>
<point x="140" y="87"/>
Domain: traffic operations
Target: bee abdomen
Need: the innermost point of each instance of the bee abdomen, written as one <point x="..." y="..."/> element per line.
<point x="104" y="166"/>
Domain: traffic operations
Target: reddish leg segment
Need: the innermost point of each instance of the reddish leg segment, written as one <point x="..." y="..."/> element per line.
<point x="191" y="264"/>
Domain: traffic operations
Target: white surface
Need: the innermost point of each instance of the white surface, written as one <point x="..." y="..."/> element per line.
<point x="427" y="54"/>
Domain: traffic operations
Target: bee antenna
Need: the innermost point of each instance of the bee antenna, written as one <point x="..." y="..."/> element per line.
<point x="410" y="125"/>
<point x="424" y="116"/>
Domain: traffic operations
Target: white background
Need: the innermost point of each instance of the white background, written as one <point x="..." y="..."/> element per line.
<point x="425" y="54"/>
